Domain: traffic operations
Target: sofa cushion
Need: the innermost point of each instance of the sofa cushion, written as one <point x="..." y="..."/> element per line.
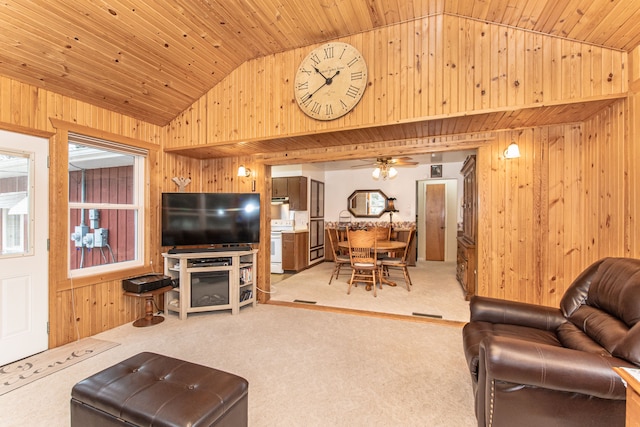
<point x="602" y="303"/>
<point x="576" y="294"/>
<point x="615" y="289"/>
<point x="628" y="347"/>
<point x="571" y="336"/>
<point x="600" y="326"/>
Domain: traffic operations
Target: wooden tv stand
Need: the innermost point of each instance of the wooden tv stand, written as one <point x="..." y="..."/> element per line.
<point x="202" y="286"/>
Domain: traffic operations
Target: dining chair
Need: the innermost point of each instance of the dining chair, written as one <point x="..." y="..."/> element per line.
<point x="401" y="262"/>
<point x="362" y="256"/>
<point x="382" y="233"/>
<point x="338" y="258"/>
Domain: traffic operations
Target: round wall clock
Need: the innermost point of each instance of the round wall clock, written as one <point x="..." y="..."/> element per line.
<point x="330" y="81"/>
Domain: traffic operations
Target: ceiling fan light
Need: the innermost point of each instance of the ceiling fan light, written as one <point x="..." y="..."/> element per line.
<point x="376" y="173"/>
<point x="392" y="172"/>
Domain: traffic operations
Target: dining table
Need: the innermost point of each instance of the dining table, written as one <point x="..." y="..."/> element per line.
<point x="382" y="246"/>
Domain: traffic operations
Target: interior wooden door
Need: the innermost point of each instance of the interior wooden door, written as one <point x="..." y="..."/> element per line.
<point x="435" y="221"/>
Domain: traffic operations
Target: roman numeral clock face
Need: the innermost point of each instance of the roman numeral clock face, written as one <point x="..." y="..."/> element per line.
<point x="330" y="81"/>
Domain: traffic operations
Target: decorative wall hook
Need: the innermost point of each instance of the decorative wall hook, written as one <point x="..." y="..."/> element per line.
<point x="181" y="182"/>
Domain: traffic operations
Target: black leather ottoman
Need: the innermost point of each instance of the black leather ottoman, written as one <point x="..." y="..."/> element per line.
<point x="150" y="389"/>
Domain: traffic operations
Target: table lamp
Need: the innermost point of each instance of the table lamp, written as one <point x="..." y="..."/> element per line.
<point x="391" y="208"/>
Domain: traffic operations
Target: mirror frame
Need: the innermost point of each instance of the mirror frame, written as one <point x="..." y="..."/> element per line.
<point x="367" y="215"/>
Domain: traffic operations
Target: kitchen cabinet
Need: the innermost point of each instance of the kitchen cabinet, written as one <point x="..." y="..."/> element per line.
<point x="295" y="250"/>
<point x="297" y="193"/>
<point x="466" y="261"/>
<point x="293" y="187"/>
<point x="316" y="239"/>
<point x="280" y="187"/>
<point x="317" y="199"/>
<point x="316" y="222"/>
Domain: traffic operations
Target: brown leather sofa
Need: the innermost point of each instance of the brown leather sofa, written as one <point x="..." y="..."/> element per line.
<point x="540" y="366"/>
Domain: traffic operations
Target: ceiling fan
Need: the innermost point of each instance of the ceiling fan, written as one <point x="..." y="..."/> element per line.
<point x="385" y="167"/>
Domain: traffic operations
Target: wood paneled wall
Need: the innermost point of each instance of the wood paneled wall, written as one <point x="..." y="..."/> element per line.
<point x="220" y="175"/>
<point x="571" y="198"/>
<point x="566" y="202"/>
<point x="543" y="217"/>
<point x="433" y="67"/>
<point x="81" y="307"/>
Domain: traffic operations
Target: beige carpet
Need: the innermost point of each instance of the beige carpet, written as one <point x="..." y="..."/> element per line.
<point x="304" y="367"/>
<point x="25" y="371"/>
<point x="435" y="291"/>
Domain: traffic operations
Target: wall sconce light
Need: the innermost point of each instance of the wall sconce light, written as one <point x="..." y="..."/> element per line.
<point x="246" y="173"/>
<point x="512" y="151"/>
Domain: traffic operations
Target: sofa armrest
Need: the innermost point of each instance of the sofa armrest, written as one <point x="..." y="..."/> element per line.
<point x="493" y="310"/>
<point x="555" y="368"/>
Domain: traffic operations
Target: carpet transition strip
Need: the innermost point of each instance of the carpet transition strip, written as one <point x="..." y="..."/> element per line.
<point x="435" y="316"/>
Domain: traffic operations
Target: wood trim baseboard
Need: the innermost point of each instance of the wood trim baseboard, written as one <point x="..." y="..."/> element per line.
<point x="417" y="319"/>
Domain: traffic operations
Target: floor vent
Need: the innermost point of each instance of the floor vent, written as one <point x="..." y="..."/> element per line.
<point x="435" y="316"/>
<point x="304" y="302"/>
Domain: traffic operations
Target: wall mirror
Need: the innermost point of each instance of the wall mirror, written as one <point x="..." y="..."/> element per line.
<point x="367" y="203"/>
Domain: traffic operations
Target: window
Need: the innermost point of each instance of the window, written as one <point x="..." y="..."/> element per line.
<point x="106" y="205"/>
<point x="13" y="236"/>
<point x="15" y="169"/>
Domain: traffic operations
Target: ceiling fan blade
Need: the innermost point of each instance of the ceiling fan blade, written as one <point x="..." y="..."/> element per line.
<point x="370" y="165"/>
<point x="390" y="161"/>
<point x="397" y="160"/>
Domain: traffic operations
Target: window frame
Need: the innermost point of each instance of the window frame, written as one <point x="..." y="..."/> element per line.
<point x="59" y="197"/>
<point x="138" y="205"/>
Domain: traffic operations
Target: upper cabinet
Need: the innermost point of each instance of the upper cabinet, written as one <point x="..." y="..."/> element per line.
<point x="280" y="187"/>
<point x="297" y="193"/>
<point x="293" y="187"/>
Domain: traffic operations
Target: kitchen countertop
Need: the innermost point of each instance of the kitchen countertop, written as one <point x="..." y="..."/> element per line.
<point x="303" y="230"/>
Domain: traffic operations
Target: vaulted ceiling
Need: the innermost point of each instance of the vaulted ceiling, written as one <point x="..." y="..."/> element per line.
<point x="151" y="60"/>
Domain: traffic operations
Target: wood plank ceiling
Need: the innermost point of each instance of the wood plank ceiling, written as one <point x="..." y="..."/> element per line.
<point x="151" y="60"/>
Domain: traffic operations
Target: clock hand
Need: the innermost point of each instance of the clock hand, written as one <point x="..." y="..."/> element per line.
<point x="330" y="79"/>
<point x="321" y="86"/>
<point x="327" y="81"/>
<point x="319" y="72"/>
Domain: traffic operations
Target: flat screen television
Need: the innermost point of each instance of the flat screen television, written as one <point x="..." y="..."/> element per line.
<point x="196" y="219"/>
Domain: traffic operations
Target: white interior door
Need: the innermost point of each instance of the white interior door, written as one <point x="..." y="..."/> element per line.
<point x="24" y="285"/>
